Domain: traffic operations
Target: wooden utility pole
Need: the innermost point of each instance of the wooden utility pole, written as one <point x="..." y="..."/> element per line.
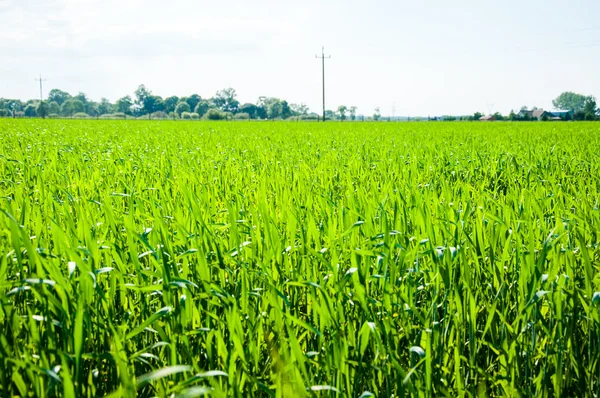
<point x="323" y="58"/>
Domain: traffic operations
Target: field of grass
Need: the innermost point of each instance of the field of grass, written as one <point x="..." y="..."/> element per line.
<point x="299" y="259"/>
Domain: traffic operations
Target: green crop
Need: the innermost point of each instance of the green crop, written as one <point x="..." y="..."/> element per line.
<point x="299" y="259"/>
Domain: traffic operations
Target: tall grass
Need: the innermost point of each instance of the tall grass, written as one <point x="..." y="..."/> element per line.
<point x="277" y="260"/>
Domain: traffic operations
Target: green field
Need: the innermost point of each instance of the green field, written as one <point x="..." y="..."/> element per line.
<point x="299" y="259"/>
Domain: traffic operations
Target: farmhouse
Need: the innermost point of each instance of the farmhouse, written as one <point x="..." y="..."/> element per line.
<point x="561" y="115"/>
<point x="488" y="118"/>
<point x="534" y="114"/>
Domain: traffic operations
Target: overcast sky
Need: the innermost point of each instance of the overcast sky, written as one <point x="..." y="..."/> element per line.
<point x="426" y="57"/>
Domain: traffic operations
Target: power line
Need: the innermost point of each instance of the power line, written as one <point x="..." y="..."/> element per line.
<point x="41" y="81"/>
<point x="323" y="58"/>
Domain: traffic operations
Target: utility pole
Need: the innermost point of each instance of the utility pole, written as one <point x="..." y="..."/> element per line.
<point x="323" y="57"/>
<point x="40" y="80"/>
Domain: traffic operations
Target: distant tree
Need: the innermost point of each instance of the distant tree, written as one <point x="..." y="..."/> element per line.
<point x="43" y="109"/>
<point x="579" y="115"/>
<point x="261" y="108"/>
<point x="498" y="116"/>
<point x="182" y="107"/>
<point x="274" y="108"/>
<point x="58" y="96"/>
<point x="215" y="114"/>
<point x="299" y="109"/>
<point x="329" y="114"/>
<point x="377" y="114"/>
<point x="477" y="116"/>
<point x="92" y="109"/>
<point x="250" y="109"/>
<point x="570" y="101"/>
<point x="53" y="108"/>
<point x="146" y="103"/>
<point x="342" y="109"/>
<point x="81" y="97"/>
<point x="170" y="103"/>
<point x="352" y="113"/>
<point x="201" y="108"/>
<point x="544" y="117"/>
<point x="71" y="107"/>
<point x="589" y="108"/>
<point x="226" y="100"/>
<point x="105" y="107"/>
<point x="285" y="110"/>
<point x="193" y="100"/>
<point x="4" y="112"/>
<point x="512" y="116"/>
<point x="30" y="110"/>
<point x="123" y="105"/>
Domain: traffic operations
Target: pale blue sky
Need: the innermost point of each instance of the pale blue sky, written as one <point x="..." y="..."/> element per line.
<point x="427" y="58"/>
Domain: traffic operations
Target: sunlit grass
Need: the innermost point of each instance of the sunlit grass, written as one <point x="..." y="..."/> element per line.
<point x="284" y="259"/>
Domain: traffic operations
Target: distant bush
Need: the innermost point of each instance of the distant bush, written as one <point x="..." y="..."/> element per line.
<point x="194" y="116"/>
<point x="159" y="115"/>
<point x="53" y="116"/>
<point x="241" y="116"/>
<point x="113" y="116"/>
<point x="80" y="115"/>
<point x="186" y="115"/>
<point x="215" y="114"/>
<point x="4" y="112"/>
<point x="309" y="117"/>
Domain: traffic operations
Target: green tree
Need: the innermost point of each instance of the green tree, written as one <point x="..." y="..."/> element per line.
<point x="82" y="97"/>
<point x="43" y="109"/>
<point x="477" y="116"/>
<point x="58" y="96"/>
<point x="215" y="114"/>
<point x="285" y="110"/>
<point x="299" y="109"/>
<point x="570" y="101"/>
<point x="92" y="109"/>
<point x="352" y="113"/>
<point x="182" y="107"/>
<point x="342" y="109"/>
<point x="124" y="105"/>
<point x="30" y="110"/>
<point x="193" y="100"/>
<point x="71" y="107"/>
<point x="201" y="108"/>
<point x="53" y="108"/>
<point x="250" y="109"/>
<point x="105" y="107"/>
<point x="170" y="103"/>
<point x="589" y="108"/>
<point x="377" y="114"/>
<point x="226" y="100"/>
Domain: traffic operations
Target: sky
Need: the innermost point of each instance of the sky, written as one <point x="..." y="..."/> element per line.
<point x="406" y="57"/>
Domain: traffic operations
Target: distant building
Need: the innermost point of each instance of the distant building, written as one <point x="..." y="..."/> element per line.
<point x="561" y="115"/>
<point x="534" y="114"/>
<point x="488" y="118"/>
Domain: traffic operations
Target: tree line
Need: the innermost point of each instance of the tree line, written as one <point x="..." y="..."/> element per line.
<point x="224" y="105"/>
<point x="144" y="104"/>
